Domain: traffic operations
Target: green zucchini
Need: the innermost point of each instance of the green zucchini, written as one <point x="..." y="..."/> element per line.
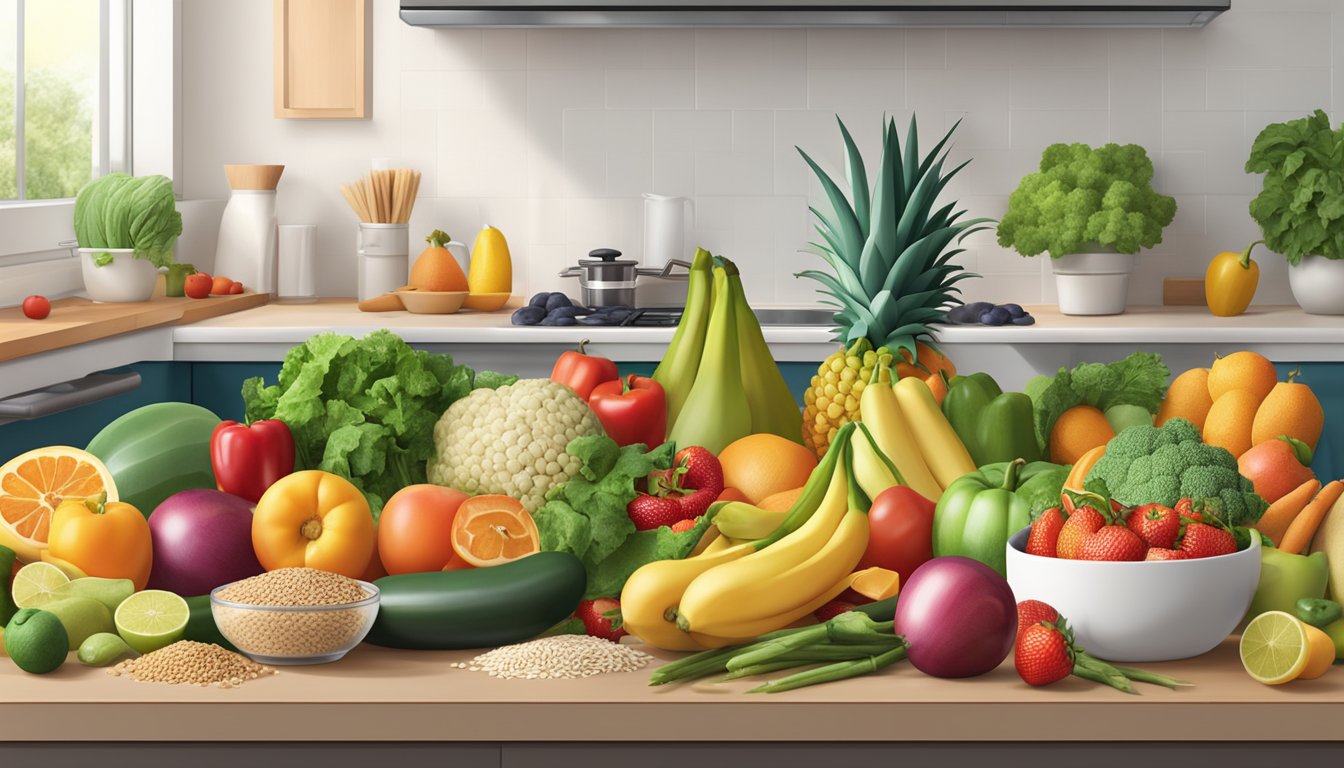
<point x="477" y="607"/>
<point x="201" y="623"/>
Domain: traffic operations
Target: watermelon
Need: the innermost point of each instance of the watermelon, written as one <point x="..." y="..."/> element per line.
<point x="157" y="450"/>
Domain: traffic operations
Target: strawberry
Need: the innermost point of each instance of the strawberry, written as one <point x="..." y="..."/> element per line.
<point x="685" y="525"/>
<point x="832" y="609"/>
<point x="1084" y="521"/>
<point x="1112" y="542"/>
<point x="1044" y="537"/>
<point x="1159" y="553"/>
<point x="1031" y="612"/>
<point x="1185" y="508"/>
<point x="693" y="483"/>
<point x="1204" y="540"/>
<point x="601" y="618"/>
<point x="1044" y="653"/>
<point x="1156" y="524"/>
<point x="703" y="471"/>
<point x="649" y="512"/>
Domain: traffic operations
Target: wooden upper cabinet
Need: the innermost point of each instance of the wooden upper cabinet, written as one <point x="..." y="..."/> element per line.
<point x="321" y="58"/>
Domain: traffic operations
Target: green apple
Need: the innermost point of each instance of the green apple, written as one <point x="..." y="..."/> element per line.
<point x="1286" y="578"/>
<point x="1122" y="417"/>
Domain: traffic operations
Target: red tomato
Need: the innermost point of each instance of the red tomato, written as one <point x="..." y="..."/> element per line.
<point x="900" y="538"/>
<point x="198" y="286"/>
<point x="36" y="307"/>
<point x="415" y="529"/>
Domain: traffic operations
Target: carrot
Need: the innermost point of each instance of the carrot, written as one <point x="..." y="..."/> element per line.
<point x="1304" y="526"/>
<point x="1274" y="523"/>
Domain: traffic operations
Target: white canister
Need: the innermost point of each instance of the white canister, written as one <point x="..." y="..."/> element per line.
<point x="296" y="282"/>
<point x="384" y="258"/>
<point x="665" y="229"/>
<point x="246" y="248"/>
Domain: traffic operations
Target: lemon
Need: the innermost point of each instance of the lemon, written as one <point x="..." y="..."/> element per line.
<point x="152" y="619"/>
<point x="36" y="641"/>
<point x="1277" y="648"/>
<point x="36" y="584"/>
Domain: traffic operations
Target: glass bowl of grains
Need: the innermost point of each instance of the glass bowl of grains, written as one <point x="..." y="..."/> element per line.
<point x="295" y="615"/>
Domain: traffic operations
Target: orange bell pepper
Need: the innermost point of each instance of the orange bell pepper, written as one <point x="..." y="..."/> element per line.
<point x="314" y="519"/>
<point x="102" y="538"/>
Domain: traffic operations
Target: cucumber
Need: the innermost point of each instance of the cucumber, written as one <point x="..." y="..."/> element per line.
<point x="201" y="623"/>
<point x="477" y="607"/>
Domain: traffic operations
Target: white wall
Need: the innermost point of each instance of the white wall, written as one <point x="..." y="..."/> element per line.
<point x="552" y="134"/>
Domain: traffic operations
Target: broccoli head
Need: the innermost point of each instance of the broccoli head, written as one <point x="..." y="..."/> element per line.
<point x="1161" y="465"/>
<point x="1082" y="198"/>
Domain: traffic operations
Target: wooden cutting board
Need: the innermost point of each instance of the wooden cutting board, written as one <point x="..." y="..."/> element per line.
<point x="75" y="321"/>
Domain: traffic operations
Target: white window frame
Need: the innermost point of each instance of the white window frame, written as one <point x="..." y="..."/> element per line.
<point x="138" y="85"/>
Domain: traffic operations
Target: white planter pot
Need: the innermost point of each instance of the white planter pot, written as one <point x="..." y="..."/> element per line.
<point x="125" y="279"/>
<point x="1092" y="283"/>
<point x="1318" y="285"/>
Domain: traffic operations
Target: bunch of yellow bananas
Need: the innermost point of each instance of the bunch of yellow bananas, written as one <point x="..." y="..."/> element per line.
<point x="911" y="444"/>
<point x="734" y="592"/>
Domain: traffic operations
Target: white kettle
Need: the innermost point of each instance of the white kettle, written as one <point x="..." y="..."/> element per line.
<point x="665" y="228"/>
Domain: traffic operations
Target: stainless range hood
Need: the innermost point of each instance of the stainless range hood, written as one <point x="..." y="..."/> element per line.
<point x="810" y="13"/>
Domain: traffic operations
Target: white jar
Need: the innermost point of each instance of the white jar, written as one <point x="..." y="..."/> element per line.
<point x="246" y="249"/>
<point x="384" y="258"/>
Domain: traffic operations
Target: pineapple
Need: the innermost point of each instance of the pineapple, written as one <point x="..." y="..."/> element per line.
<point x="890" y="275"/>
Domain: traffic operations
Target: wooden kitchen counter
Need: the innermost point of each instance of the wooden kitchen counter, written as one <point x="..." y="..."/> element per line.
<point x="387" y="695"/>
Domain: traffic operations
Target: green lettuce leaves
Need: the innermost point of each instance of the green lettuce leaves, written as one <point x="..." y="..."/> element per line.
<point x="365" y="408"/>
<point x="1139" y="380"/>
<point x="123" y="211"/>
<point x="586" y="516"/>
<point x="1300" y="208"/>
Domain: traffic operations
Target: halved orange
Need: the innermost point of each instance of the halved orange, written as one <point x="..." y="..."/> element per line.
<point x="493" y="529"/>
<point x="33" y="484"/>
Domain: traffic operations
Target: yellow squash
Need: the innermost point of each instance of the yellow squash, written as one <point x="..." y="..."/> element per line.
<point x="491" y="268"/>
<point x="1230" y="282"/>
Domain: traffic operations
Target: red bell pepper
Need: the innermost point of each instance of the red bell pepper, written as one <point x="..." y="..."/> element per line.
<point x="249" y="458"/>
<point x="632" y="410"/>
<point x="581" y="372"/>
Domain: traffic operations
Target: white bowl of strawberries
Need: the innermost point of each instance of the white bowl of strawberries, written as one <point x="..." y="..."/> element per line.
<point x="1136" y="609"/>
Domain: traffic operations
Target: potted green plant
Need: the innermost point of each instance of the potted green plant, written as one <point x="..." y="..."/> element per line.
<point x="125" y="227"/>
<point x="1300" y="208"/>
<point x="1092" y="209"/>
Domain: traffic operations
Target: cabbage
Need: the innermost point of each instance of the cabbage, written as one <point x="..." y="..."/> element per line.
<point x="123" y="211"/>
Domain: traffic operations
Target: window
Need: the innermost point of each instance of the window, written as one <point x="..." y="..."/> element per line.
<point x="62" y="95"/>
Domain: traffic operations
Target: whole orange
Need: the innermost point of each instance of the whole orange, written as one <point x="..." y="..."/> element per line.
<point x="782" y="501"/>
<point x="765" y="464"/>
<point x="1077" y="431"/>
<point x="1229" y="422"/>
<point x="415" y="529"/>
<point x="1242" y="370"/>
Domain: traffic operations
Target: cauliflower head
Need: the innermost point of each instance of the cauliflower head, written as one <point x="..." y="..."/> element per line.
<point x="511" y="440"/>
<point x="1161" y="465"/>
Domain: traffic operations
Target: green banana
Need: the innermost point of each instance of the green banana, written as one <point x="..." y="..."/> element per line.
<point x="773" y="407"/>
<point x="677" y="370"/>
<point x="716" y="413"/>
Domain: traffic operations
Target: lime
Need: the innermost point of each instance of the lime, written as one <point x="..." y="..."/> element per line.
<point x="151" y="619"/>
<point x="81" y="617"/>
<point x="36" y="583"/>
<point x="1274" y="648"/>
<point x="36" y="641"/>
<point x="109" y="592"/>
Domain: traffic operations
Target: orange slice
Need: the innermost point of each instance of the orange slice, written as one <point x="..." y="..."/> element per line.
<point x="33" y="484"/>
<point x="493" y="529"/>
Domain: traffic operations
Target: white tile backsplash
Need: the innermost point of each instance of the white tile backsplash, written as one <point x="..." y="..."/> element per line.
<point x="553" y="134"/>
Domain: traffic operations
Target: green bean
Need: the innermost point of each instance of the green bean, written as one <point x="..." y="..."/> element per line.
<point x="832" y="672"/>
<point x="1144" y="676"/>
<point x="1117" y="682"/>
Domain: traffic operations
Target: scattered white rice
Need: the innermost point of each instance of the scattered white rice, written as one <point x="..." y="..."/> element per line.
<point x="559" y="657"/>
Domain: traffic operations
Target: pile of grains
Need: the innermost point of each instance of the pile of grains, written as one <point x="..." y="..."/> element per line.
<point x="294" y="586"/>
<point x="291" y="633"/>
<point x="559" y="657"/>
<point x="191" y="663"/>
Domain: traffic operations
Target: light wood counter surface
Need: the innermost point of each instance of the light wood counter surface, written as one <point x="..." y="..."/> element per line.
<point x="376" y="694"/>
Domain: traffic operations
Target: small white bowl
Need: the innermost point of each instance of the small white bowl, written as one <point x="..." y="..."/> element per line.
<point x="1140" y="611"/>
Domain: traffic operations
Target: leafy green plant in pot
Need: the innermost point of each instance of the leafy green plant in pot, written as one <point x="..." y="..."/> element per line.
<point x="126" y="227"/>
<point x="1300" y="208"/>
<point x="1091" y="209"/>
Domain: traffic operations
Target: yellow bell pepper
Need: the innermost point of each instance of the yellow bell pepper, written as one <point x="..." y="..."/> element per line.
<point x="314" y="519"/>
<point x="1230" y="282"/>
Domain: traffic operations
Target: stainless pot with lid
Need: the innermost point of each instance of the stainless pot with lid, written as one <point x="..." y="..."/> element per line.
<point x="606" y="280"/>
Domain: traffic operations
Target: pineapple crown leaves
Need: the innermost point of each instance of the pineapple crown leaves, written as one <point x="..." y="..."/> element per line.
<point x="889" y="252"/>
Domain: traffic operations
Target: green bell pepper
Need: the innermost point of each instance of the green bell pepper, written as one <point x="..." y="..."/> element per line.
<point x="994" y="425"/>
<point x="978" y="512"/>
<point x="175" y="282"/>
<point x="1286" y="578"/>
